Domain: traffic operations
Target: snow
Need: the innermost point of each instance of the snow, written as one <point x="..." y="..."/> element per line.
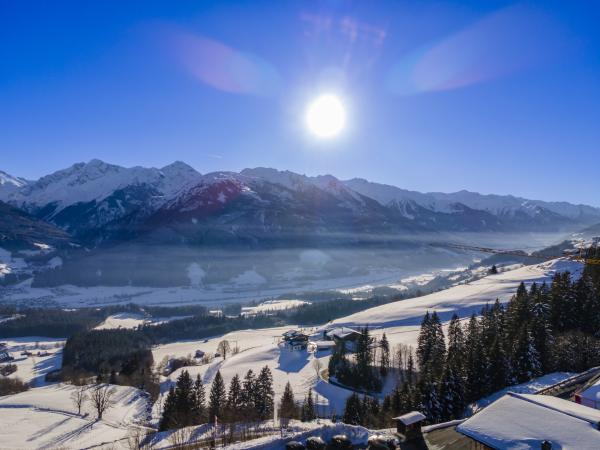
<point x="33" y="369"/>
<point x="133" y="320"/>
<point x="529" y="387"/>
<point x="272" y="305"/>
<point x="46" y="417"/>
<point x="521" y="421"/>
<point x="96" y="180"/>
<point x="273" y="439"/>
<point x="401" y="320"/>
<point x="411" y="417"/>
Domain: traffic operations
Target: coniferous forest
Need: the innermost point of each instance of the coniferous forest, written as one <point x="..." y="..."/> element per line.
<point x="542" y="329"/>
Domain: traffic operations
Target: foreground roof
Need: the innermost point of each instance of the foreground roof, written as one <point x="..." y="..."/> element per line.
<point x="521" y="421"/>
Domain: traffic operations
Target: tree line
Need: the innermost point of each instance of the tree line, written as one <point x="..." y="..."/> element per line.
<point x="250" y="399"/>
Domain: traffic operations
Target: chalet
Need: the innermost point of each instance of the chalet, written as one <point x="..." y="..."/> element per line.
<point x="343" y="334"/>
<point x="409" y="425"/>
<point x="5" y="356"/>
<point x="199" y="354"/>
<point x="295" y="340"/>
<point x="533" y="421"/>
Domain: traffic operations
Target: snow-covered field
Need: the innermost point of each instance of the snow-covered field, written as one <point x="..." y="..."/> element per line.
<point x="399" y="320"/>
<point x="45" y="417"/>
<point x="272" y="305"/>
<point x="127" y="320"/>
<point x="33" y="368"/>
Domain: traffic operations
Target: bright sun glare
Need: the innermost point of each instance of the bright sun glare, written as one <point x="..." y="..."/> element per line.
<point x="326" y="116"/>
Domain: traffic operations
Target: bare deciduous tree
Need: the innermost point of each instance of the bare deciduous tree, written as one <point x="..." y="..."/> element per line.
<point x="79" y="397"/>
<point x="317" y="365"/>
<point x="101" y="398"/>
<point x="223" y="348"/>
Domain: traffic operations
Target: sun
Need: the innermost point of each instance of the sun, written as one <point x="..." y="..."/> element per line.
<point x="326" y="116"/>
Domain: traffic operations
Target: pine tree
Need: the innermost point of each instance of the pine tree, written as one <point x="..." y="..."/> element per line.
<point x="308" y="408"/>
<point x="410" y="369"/>
<point x="452" y="399"/>
<point x="288" y="409"/>
<point x="247" y="397"/>
<point x="384" y="363"/>
<point x="217" y="398"/>
<point x="456" y="346"/>
<point x="430" y="400"/>
<point x="199" y="396"/>
<point x="168" y="419"/>
<point x="431" y="348"/>
<point x="353" y="410"/>
<point x="263" y="398"/>
<point x="234" y="399"/>
<point x="526" y="360"/>
<point x="475" y="365"/>
<point x="182" y="402"/>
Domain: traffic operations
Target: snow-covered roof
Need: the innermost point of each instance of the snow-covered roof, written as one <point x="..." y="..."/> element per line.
<point x="525" y="421"/>
<point x="341" y="332"/>
<point x="593" y="392"/>
<point x="411" y="417"/>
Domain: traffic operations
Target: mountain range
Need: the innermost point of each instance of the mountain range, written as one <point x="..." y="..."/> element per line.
<point x="104" y="210"/>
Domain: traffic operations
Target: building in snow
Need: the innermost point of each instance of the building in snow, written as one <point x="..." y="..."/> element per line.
<point x="409" y="425"/>
<point x="199" y="354"/>
<point x="589" y="395"/>
<point x="5" y="356"/>
<point x="295" y="340"/>
<point x="348" y="336"/>
<point x="533" y="421"/>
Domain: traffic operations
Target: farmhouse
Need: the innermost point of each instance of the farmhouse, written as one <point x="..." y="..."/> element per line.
<point x="533" y="421"/>
<point x="295" y="340"/>
<point x="343" y="334"/>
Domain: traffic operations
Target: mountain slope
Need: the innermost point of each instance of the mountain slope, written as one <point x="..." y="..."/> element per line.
<point x="19" y="230"/>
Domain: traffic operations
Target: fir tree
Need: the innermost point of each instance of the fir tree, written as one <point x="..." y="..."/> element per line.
<point x="353" y="410"/>
<point x="168" y="419"/>
<point x="263" y="398"/>
<point x="308" y="408"/>
<point x="384" y="362"/>
<point x="234" y="399"/>
<point x="199" y="408"/>
<point x="217" y="398"/>
<point x="247" y="397"/>
<point x="288" y="409"/>
<point x="452" y="400"/>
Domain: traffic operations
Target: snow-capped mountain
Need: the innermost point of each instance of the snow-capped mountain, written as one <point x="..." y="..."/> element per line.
<point x="515" y="211"/>
<point x="99" y="202"/>
<point x="87" y="196"/>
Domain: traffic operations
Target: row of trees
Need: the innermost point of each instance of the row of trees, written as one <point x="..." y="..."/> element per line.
<point x="248" y="399"/>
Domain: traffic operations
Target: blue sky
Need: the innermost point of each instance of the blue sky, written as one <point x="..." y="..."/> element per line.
<point x="489" y="96"/>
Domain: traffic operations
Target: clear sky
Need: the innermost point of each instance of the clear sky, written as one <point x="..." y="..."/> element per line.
<point x="489" y="96"/>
